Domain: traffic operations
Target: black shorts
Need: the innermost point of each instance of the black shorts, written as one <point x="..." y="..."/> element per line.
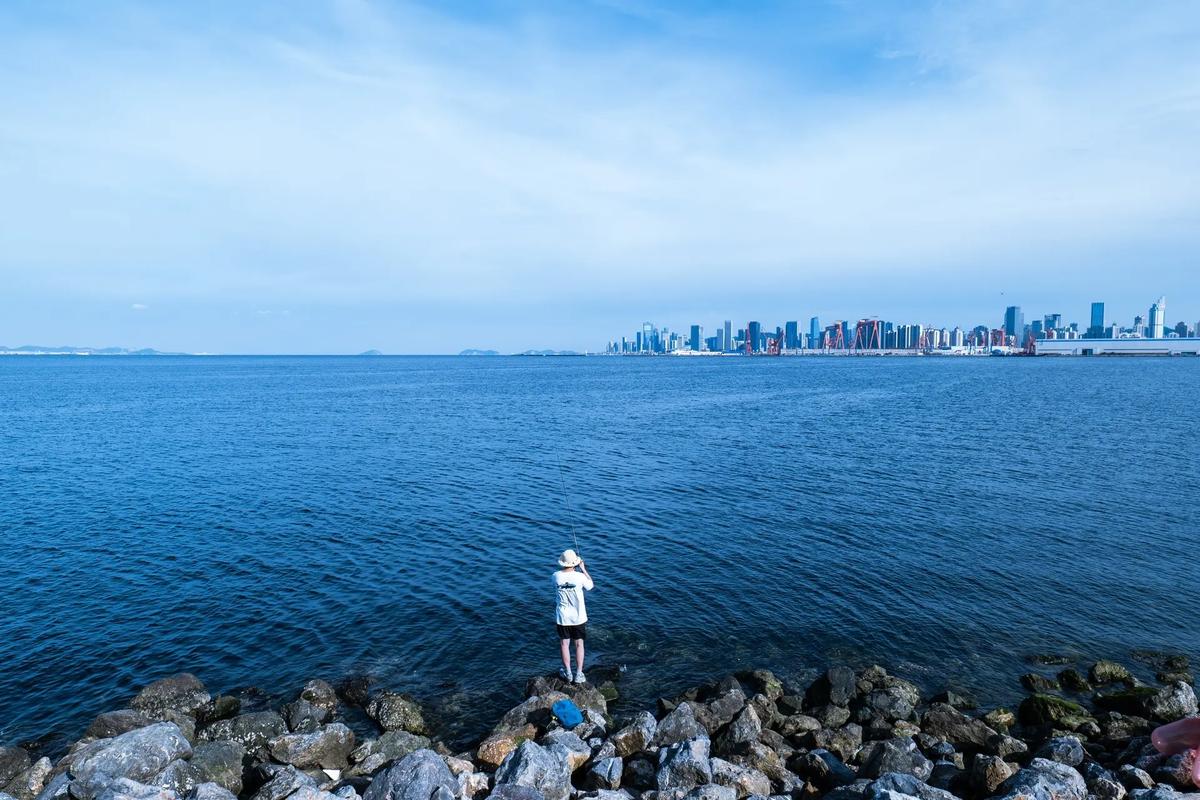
<point x="572" y="631"/>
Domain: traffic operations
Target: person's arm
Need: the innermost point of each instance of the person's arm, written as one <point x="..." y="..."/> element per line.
<point x="588" y="583"/>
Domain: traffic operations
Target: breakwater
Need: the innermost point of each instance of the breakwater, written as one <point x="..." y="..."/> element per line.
<point x="849" y="734"/>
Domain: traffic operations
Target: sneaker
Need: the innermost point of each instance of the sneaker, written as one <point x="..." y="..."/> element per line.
<point x="579" y="677"/>
<point x="564" y="674"/>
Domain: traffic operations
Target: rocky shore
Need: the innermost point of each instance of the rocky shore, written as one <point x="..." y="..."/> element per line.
<point x="849" y="735"/>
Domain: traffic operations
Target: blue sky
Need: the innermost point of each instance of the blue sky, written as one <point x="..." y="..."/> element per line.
<point x="337" y="175"/>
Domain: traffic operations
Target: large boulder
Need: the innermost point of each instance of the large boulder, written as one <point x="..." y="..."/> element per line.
<point x="684" y="765"/>
<point x="1044" y="780"/>
<point x="182" y="693"/>
<point x="252" y="731"/>
<point x="211" y="791"/>
<point x="393" y="711"/>
<point x="328" y="748"/>
<point x="13" y="761"/>
<point x="899" y="786"/>
<point x="724" y="707"/>
<point x="636" y="736"/>
<point x="678" y="726"/>
<point x="949" y="724"/>
<point x="138" y="755"/>
<point x="543" y="768"/>
<point x="1063" y="749"/>
<point x="894" y="755"/>
<point x="1165" y="704"/>
<point x="741" y="731"/>
<point x="1105" y="671"/>
<point x="114" y="723"/>
<point x="987" y="773"/>
<point x="29" y="784"/>
<point x="606" y="773"/>
<point x="178" y="777"/>
<point x="501" y="743"/>
<point x="568" y="745"/>
<point x="762" y="681"/>
<point x="303" y="717"/>
<point x="822" y="768"/>
<point x="219" y="763"/>
<point x="375" y="754"/>
<point x="837" y="686"/>
<point x="126" y="789"/>
<point x="285" y="781"/>
<point x="744" y="781"/>
<point x="418" y="776"/>
<point x="1048" y="710"/>
<point x="320" y="694"/>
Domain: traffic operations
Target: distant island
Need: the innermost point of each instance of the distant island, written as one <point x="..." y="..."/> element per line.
<point x="70" y="350"/>
<point x="370" y="353"/>
<point x="473" y="352"/>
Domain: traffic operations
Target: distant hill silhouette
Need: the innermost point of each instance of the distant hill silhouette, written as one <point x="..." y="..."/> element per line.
<point x="35" y="349"/>
<point x="474" y="352"/>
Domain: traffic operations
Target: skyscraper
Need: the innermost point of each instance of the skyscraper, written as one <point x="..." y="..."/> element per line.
<point x="753" y="333"/>
<point x="791" y="335"/>
<point x="1157" y="313"/>
<point x="728" y="335"/>
<point x="1096" y="329"/>
<point x="694" y="339"/>
<point x="1014" y="323"/>
<point x="814" y="332"/>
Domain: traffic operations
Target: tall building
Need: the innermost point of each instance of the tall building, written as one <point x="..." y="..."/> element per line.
<point x="694" y="339"/>
<point x="1157" y="313"/>
<point x="1053" y="322"/>
<point x="1014" y="323"/>
<point x="728" y="335"/>
<point x="1096" y="329"/>
<point x="814" y="332"/>
<point x="753" y="333"/>
<point x="721" y="344"/>
<point x="791" y="335"/>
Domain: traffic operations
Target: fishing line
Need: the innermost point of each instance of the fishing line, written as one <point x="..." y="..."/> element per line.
<point x="567" y="501"/>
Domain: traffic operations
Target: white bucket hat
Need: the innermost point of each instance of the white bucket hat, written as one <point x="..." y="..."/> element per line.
<point x="569" y="559"/>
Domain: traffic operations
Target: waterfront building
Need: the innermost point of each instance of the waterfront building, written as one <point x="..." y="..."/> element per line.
<point x="791" y="335"/>
<point x="728" y="335"/>
<point x="1053" y="322"/>
<point x="1157" y="312"/>
<point x="957" y="337"/>
<point x="1014" y="322"/>
<point x="1096" y="329"/>
<point x="694" y="339"/>
<point x="814" y="332"/>
<point x="1181" y="330"/>
<point x="753" y="334"/>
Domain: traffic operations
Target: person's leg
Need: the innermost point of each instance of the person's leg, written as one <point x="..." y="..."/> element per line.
<point x="566" y="654"/>
<point x="578" y="656"/>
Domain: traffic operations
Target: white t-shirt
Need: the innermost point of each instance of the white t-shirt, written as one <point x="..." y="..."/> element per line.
<point x="569" y="584"/>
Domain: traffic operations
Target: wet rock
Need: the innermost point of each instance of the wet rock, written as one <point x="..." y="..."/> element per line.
<point x="1105" y="671"/>
<point x="838" y="686"/>
<point x="302" y="716"/>
<point x="211" y="791"/>
<point x="114" y="723"/>
<point x="684" y="765"/>
<point x="327" y="748"/>
<point x="822" y="768"/>
<point x="418" y="776"/>
<point x="1005" y="746"/>
<point x="725" y="707"/>
<point x="1073" y="680"/>
<point x="1000" y="719"/>
<point x="321" y="695"/>
<point x="744" y="729"/>
<point x="13" y="761"/>
<point x="496" y="747"/>
<point x="948" y="723"/>
<point x="1133" y="778"/>
<point x="1165" y="704"/>
<point x="894" y="755"/>
<point x="761" y="681"/>
<point x="606" y="773"/>
<point x="28" y="784"/>
<point x="538" y="768"/>
<point x="1035" y="682"/>
<point x="284" y="782"/>
<point x="219" y="763"/>
<point x="220" y="707"/>
<point x="845" y="742"/>
<point x="637" y="736"/>
<point x="252" y="731"/>
<point x="396" y="712"/>
<point x="1063" y="749"/>
<point x="125" y="789"/>
<point x="183" y="693"/>
<point x="355" y="690"/>
<point x="1115" y="726"/>
<point x="831" y="716"/>
<point x="1044" y="780"/>
<point x="58" y="786"/>
<point x="138" y="755"/>
<point x="570" y="747"/>
<point x="1045" y="709"/>
<point x="963" y="701"/>
<point x="800" y="724"/>
<point x="178" y="777"/>
<point x="678" y="726"/>
<point x="987" y="773"/>
<point x="900" y="786"/>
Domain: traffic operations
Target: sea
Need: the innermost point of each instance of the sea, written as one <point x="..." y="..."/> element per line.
<point x="260" y="521"/>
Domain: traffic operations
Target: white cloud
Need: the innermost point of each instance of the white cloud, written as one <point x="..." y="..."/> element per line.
<point x="139" y="306"/>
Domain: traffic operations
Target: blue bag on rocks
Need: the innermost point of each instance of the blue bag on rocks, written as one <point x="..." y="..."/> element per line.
<point x="567" y="713"/>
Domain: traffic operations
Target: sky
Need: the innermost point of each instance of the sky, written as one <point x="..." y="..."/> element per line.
<point x="330" y="176"/>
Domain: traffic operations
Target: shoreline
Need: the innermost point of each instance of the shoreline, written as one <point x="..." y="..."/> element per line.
<point x="849" y="735"/>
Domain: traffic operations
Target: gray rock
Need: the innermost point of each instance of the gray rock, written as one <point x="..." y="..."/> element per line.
<point x="949" y="776"/>
<point x="374" y="754"/>
<point x="537" y="767"/>
<point x="283" y="783"/>
<point x="1045" y="780"/>
<point x="831" y="716"/>
<point x="895" y="785"/>
<point x="138" y="755"/>
<point x="1105" y="671"/>
<point x="1166" y="704"/>
<point x="347" y="793"/>
<point x="744" y="729"/>
<point x="220" y="707"/>
<point x="800" y="724"/>
<point x="418" y="776"/>
<point x="637" y="736"/>
<point x="837" y="686"/>
<point x="309" y="793"/>
<point x="987" y="773"/>
<point x="211" y="791"/>
<point x="1176" y="771"/>
<point x="514" y="792"/>
<point x="725" y="707"/>
<point x="13" y="761"/>
<point x="125" y="789"/>
<point x="762" y="681"/>
<point x="894" y="755"/>
<point x="183" y="693"/>
<point x="472" y="784"/>
<point x="822" y="768"/>
<point x="303" y="717"/>
<point x="1159" y="793"/>
<point x="684" y="765"/>
<point x="569" y="746"/>
<point x="678" y="726"/>
<point x="320" y="694"/>
<point x="640" y="773"/>
<point x="1003" y="745"/>
<point x="948" y="723"/>
<point x="252" y="731"/>
<point x="845" y="742"/>
<point x="1133" y="778"/>
<point x="114" y="723"/>
<point x="219" y="763"/>
<point x="178" y="777"/>
<point x="711" y="791"/>
<point x="1108" y="789"/>
<point x="29" y="784"/>
<point x="744" y="781"/>
<point x="855" y="791"/>
<point x="1063" y="749"/>
<point x="606" y="773"/>
<point x="328" y="748"/>
<point x="57" y="788"/>
<point x="892" y="704"/>
<point x="392" y="711"/>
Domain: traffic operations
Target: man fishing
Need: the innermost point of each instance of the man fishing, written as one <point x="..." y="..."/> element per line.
<point x="570" y="617"/>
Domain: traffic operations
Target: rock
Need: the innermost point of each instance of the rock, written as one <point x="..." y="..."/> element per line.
<point x="28" y="784"/>
<point x="302" y="716"/>
<point x="219" y="763"/>
<point x="1176" y="771"/>
<point x="1133" y="778"/>
<point x="1115" y="726"/>
<point x="892" y="703"/>
<point x="1063" y="749"/>
<point x="321" y="695"/>
<point x="948" y="723"/>
<point x="637" y="736"/>
<point x="684" y="765"/>
<point x="711" y="791"/>
<point x="284" y="782"/>
<point x="13" y="761"/>
<point x="583" y="695"/>
<point x="894" y="755"/>
<point x="327" y="748"/>
<point x="762" y="758"/>
<point x="574" y="749"/>
<point x="538" y="768"/>
<point x="762" y="681"/>
<point x="744" y="781"/>
<point x="57" y="788"/>
<point x="838" y="686"/>
<point x="1005" y="746"/>
<point x="178" y="777"/>
<point x="1165" y="704"/>
<point x="355" y="690"/>
<point x="960" y="700"/>
<point x="800" y="724"/>
<point x="1000" y="719"/>
<point x="183" y="693"/>
<point x="678" y="726"/>
<point x="822" y="768"/>
<point x="211" y="791"/>
<point x="1038" y="683"/>
<point x="951" y="777"/>
<point x="125" y="789"/>
<point x="744" y="729"/>
<point x="1046" y="709"/>
<point x="347" y="793"/>
<point x="1108" y="789"/>
<point x="392" y="711"/>
<point x="252" y="731"/>
<point x="606" y="773"/>
<point x="114" y="723"/>
<point x="1073" y="680"/>
<point x="987" y="773"/>
<point x="897" y="786"/>
<point x="725" y="707"/>
<point x="1160" y="793"/>
<point x="472" y="784"/>
<point x="417" y="776"/>
<point x="1105" y="671"/>
<point x="640" y="773"/>
<point x="845" y="742"/>
<point x="138" y="755"/>
<point x="1045" y="780"/>
<point x="831" y="716"/>
<point x="220" y="707"/>
<point x="514" y="792"/>
<point x="496" y="747"/>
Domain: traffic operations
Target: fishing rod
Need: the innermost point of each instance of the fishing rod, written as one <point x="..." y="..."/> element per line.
<point x="566" y="501"/>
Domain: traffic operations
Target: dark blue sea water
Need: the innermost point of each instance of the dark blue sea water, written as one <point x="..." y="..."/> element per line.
<point x="262" y="521"/>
